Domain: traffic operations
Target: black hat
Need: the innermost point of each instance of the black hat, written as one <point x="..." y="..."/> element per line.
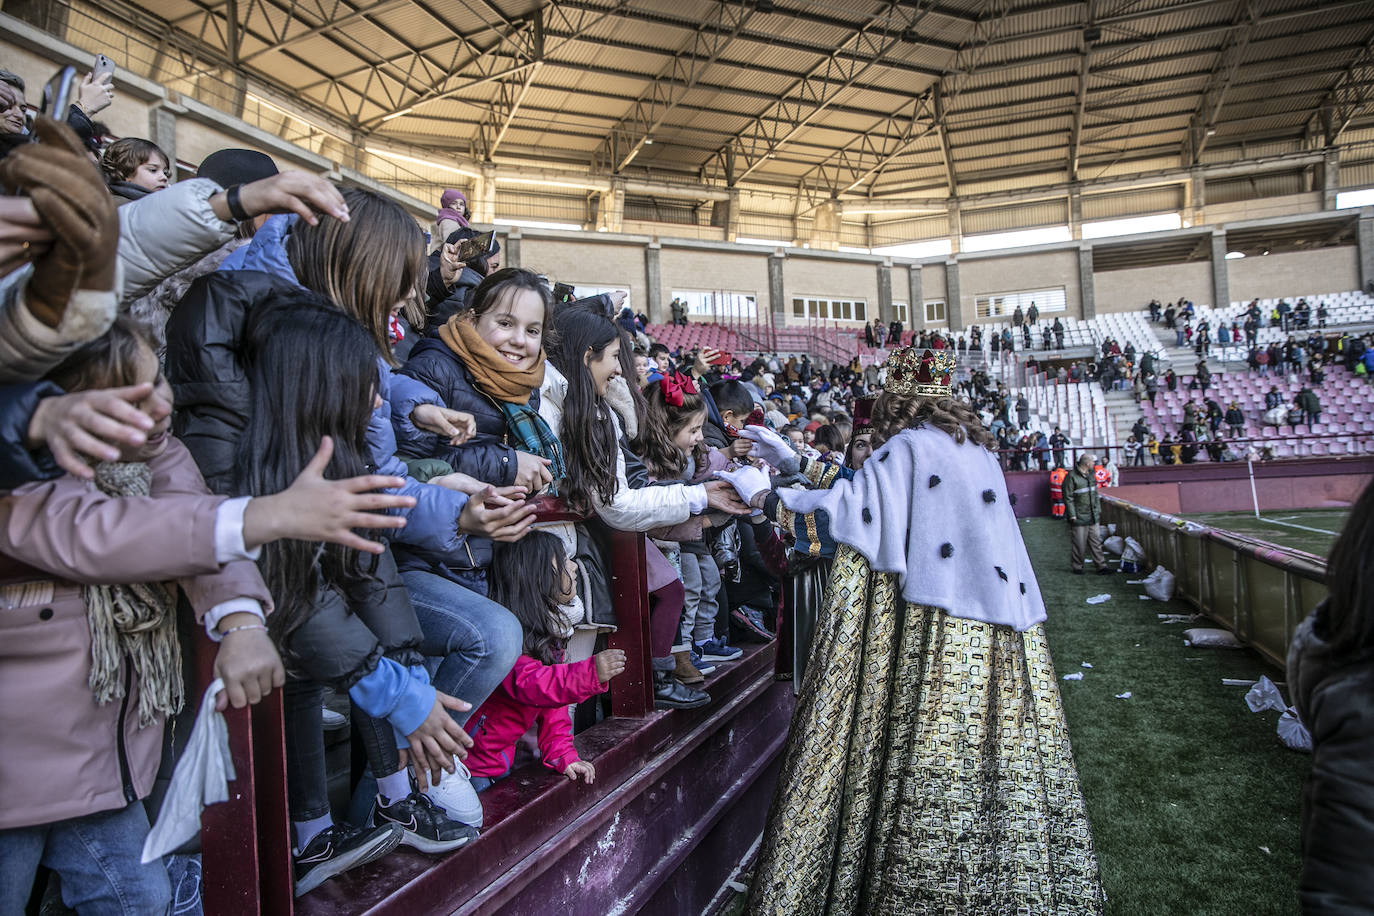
<point x="228" y="167"/>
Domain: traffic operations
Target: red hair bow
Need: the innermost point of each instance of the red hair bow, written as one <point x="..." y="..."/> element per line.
<point x="674" y="387"/>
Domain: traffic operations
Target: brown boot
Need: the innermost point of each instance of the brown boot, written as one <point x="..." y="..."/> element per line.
<point x="686" y="672"/>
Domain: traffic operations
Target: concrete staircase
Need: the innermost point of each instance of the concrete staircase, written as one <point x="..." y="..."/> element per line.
<point x="1124" y="411"/>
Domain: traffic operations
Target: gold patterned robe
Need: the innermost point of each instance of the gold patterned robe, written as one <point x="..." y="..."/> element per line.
<point x="928" y="769"/>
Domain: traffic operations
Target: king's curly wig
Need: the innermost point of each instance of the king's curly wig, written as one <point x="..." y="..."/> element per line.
<point x="893" y="413"/>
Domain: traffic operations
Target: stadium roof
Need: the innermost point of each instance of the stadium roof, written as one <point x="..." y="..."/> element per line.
<point x="848" y="98"/>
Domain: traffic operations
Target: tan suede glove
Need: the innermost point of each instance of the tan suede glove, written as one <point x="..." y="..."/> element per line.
<point x="69" y="194"/>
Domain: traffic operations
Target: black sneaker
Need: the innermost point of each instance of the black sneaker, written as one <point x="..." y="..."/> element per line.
<point x="425" y="826"/>
<point x="337" y="849"/>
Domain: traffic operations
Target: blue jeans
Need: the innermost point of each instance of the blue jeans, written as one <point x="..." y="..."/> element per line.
<point x="477" y="639"/>
<point x="97" y="857"/>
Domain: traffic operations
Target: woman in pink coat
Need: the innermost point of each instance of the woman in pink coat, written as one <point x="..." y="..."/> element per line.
<point x="89" y="658"/>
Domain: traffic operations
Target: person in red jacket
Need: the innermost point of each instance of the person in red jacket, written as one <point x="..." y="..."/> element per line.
<point x="537" y="581"/>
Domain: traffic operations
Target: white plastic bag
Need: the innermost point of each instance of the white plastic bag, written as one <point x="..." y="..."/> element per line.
<point x="1264" y="695"/>
<point x="1132" y="552"/>
<point x="1160" y="584"/>
<point x="1114" y="545"/>
<point x="1293" y="733"/>
<point x="201" y="778"/>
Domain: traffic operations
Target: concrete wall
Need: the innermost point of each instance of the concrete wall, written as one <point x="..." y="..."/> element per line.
<point x="830" y="278"/>
<point x="581" y="263"/>
<point x="1009" y="273"/>
<point x="1297" y="273"/>
<point x="706" y="269"/>
<point x="1130" y="290"/>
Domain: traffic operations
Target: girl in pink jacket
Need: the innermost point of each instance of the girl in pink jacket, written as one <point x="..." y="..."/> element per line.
<point x="534" y="578"/>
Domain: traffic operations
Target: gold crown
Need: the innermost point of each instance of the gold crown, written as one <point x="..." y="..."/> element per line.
<point x="911" y="371"/>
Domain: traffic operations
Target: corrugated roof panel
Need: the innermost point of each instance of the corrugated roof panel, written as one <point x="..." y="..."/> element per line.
<point x="1164" y="199"/>
<point x="1011" y="183"/>
<point x="918" y="229"/>
<point x="1015" y="216"/>
<point x="1357" y="174"/>
<point x="1265" y="184"/>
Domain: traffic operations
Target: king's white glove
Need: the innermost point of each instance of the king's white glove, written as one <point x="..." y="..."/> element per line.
<point x="748" y="481"/>
<point x="768" y="445"/>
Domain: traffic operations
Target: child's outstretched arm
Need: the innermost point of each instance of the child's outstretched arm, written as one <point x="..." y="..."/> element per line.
<point x="548" y="686"/>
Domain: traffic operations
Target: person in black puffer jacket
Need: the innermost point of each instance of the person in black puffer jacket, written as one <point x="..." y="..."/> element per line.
<point x="490" y="355"/>
<point x="451" y="281"/>
<point x="1331" y="673"/>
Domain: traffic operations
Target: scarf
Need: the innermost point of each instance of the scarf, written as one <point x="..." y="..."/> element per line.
<point x="509" y="387"/>
<point x="494" y="376"/>
<point x="134" y="622"/>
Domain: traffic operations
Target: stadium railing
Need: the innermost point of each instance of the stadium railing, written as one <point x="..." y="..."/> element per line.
<point x="1257" y="590"/>
<point x="245" y="841"/>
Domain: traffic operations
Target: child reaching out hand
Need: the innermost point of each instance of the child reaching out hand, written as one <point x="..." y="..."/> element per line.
<point x="534" y="578"/>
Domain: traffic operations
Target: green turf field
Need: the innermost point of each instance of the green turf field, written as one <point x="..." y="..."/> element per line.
<point x="1312" y="530"/>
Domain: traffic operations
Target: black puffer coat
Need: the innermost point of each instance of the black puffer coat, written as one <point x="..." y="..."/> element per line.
<point x="443" y="302"/>
<point x="488" y="456"/>
<point x="1334" y="696"/>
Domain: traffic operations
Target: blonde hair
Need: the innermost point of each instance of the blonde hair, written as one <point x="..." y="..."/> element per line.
<point x="893" y="413"/>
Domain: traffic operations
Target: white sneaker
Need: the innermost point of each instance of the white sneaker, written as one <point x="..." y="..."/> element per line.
<point x="331" y="720"/>
<point x="455" y="794"/>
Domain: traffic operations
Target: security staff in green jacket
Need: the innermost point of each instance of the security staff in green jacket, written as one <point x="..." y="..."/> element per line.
<point x="1083" y="509"/>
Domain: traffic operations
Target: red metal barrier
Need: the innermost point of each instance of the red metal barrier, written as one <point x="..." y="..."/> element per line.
<point x="245" y="841"/>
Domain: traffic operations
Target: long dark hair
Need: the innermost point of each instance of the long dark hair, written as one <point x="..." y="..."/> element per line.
<point x="313" y="373"/>
<point x="527" y="578"/>
<point x="1348" y="622"/>
<point x="662" y="422"/>
<point x="589" y="440"/>
<point x="893" y="413"/>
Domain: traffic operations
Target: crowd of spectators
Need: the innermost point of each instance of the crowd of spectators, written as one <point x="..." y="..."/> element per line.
<point x="275" y="401"/>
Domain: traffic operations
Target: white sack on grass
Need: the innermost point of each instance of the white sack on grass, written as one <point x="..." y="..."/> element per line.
<point x="201" y="778"/>
<point x="1211" y="638"/>
<point x="1133" y="552"/>
<point x="1114" y="545"/>
<point x="1292" y="732"/>
<point x="1160" y="584"/>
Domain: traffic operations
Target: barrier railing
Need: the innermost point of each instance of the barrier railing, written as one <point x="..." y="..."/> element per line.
<point x="1257" y="590"/>
<point x="245" y="841"/>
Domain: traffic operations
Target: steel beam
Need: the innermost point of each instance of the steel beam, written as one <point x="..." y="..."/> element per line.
<point x="1346" y="98"/>
<point x="1229" y="58"/>
<point x="812" y="94"/>
<point x="677" y="78"/>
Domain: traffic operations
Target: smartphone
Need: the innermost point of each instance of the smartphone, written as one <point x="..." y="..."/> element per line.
<point x="476" y="246"/>
<point x="103" y="65"/>
<point x="57" y="94"/>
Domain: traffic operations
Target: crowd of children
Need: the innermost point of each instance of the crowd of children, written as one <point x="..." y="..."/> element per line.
<point x="273" y="397"/>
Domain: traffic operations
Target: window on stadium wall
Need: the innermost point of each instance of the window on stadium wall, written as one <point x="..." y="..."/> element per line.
<point x="1002" y="305"/>
<point x="899" y="312"/>
<point x="829" y="309"/>
<point x="706" y="304"/>
<point x="935" y="311"/>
